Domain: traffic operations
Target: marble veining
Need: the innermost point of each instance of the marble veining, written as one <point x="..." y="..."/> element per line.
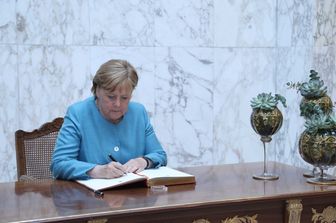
<point x="122" y="23"/>
<point x="184" y="23"/>
<point x="8" y="110"/>
<point x="236" y="71"/>
<point x="325" y="29"/>
<point x="60" y="77"/>
<point x="184" y="104"/>
<point x="296" y="23"/>
<point x="294" y="64"/>
<point x="245" y="23"/>
<point x="52" y="22"/>
<point x="7" y="22"/>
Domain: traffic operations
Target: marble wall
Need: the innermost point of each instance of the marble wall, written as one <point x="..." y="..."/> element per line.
<point x="200" y="62"/>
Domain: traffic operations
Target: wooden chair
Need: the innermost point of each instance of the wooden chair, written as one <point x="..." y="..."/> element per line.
<point x="34" y="150"/>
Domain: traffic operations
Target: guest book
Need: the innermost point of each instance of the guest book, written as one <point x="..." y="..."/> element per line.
<point x="151" y="177"/>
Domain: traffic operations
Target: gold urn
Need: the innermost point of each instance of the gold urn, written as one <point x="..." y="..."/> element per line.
<point x="266" y="122"/>
<point x="324" y="102"/>
<point x="319" y="150"/>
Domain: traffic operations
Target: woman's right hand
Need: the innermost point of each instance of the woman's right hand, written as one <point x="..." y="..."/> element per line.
<point x="107" y="171"/>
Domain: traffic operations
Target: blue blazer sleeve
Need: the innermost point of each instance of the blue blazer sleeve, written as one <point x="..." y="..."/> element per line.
<point x="154" y="150"/>
<point x="65" y="163"/>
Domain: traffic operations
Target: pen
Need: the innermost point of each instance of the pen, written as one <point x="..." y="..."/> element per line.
<point x="114" y="160"/>
<point x="98" y="193"/>
<point x="111" y="157"/>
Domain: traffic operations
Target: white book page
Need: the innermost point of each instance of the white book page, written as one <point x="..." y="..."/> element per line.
<point x="163" y="171"/>
<point x="99" y="184"/>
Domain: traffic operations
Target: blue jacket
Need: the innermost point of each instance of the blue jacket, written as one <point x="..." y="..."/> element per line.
<point x="87" y="139"/>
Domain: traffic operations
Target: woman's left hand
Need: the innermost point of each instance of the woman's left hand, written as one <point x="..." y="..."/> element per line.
<point x="135" y="165"/>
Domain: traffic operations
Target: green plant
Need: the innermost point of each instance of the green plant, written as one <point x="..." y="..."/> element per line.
<point x="314" y="88"/>
<point x="309" y="109"/>
<point x="266" y="101"/>
<point x="333" y="118"/>
<point x="314" y="95"/>
<point x="319" y="122"/>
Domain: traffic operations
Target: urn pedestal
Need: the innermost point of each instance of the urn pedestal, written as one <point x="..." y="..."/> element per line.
<point x="266" y="123"/>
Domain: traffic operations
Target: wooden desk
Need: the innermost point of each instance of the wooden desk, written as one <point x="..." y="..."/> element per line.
<point x="221" y="193"/>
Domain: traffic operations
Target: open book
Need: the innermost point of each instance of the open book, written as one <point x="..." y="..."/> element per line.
<point x="152" y="177"/>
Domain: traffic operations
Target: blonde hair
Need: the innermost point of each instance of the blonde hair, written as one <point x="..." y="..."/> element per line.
<point x="114" y="73"/>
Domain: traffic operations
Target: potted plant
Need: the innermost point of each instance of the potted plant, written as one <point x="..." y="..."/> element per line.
<point x="314" y="93"/>
<point x="317" y="144"/>
<point x="266" y="119"/>
<point x="317" y="141"/>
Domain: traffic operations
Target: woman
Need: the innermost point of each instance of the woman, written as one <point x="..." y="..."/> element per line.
<point x="106" y="136"/>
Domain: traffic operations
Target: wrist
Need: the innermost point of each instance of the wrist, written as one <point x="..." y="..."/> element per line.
<point x="148" y="162"/>
<point x="95" y="171"/>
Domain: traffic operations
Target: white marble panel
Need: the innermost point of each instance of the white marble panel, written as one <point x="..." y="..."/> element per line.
<point x="324" y="62"/>
<point x="295" y="23"/>
<point x="51" y="78"/>
<point x="122" y="23"/>
<point x="245" y="23"/>
<point x="294" y="65"/>
<point x="184" y="106"/>
<point x="184" y="23"/>
<point x="53" y="22"/>
<point x="325" y="29"/>
<point x="9" y="112"/>
<point x="142" y="58"/>
<point x="240" y="75"/>
<point x="7" y="21"/>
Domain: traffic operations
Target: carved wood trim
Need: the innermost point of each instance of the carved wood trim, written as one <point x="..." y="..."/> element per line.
<point x="245" y="219"/>
<point x="235" y="219"/>
<point x="328" y="215"/>
<point x="202" y="220"/>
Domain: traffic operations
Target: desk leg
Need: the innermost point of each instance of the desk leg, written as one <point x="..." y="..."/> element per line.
<point x="101" y="220"/>
<point x="294" y="209"/>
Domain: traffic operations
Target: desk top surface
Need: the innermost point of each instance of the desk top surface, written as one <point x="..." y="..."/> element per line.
<point x="51" y="200"/>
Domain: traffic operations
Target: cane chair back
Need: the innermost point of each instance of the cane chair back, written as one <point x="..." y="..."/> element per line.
<point x="34" y="150"/>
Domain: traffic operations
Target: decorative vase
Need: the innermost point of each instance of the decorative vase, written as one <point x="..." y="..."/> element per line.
<point x="308" y="108"/>
<point x="324" y="102"/>
<point x="319" y="150"/>
<point x="266" y="123"/>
